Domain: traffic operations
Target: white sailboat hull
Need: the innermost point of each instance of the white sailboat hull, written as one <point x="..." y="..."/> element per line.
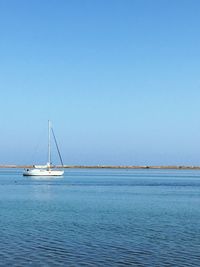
<point x="46" y="170"/>
<point x="42" y="172"/>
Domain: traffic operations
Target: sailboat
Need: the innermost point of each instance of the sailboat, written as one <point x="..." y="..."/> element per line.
<point x="46" y="170"/>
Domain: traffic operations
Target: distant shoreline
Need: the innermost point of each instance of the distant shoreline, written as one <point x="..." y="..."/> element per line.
<point x="175" y="167"/>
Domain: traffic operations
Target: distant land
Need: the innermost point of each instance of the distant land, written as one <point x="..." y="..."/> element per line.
<point x="176" y="167"/>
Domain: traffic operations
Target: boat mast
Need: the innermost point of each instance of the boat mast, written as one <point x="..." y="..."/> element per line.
<point x="49" y="143"/>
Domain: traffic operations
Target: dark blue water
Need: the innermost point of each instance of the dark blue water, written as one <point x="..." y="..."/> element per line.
<point x="100" y="218"/>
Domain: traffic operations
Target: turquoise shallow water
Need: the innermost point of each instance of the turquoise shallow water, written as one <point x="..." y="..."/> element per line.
<point x="100" y="218"/>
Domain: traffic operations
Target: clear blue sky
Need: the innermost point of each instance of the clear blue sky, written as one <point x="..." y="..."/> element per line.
<point x="120" y="80"/>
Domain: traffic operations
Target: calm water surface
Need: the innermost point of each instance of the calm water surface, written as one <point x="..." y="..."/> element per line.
<point x="100" y="218"/>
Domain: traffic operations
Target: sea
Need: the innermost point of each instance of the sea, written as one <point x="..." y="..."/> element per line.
<point x="100" y="217"/>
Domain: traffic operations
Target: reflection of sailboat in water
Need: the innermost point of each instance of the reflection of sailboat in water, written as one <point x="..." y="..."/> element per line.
<point x="46" y="170"/>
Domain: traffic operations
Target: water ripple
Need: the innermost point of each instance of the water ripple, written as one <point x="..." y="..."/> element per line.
<point x="101" y="219"/>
